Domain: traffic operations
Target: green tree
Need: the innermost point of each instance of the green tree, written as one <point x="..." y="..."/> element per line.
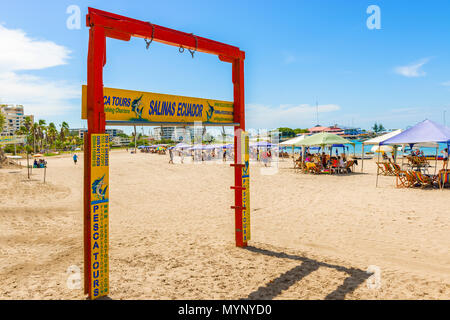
<point x="64" y="132"/>
<point x="298" y="130"/>
<point x="2" y="121"/>
<point x="375" y="128"/>
<point x="286" y="133"/>
<point x="41" y="133"/>
<point x="52" y="134"/>
<point x="378" y="127"/>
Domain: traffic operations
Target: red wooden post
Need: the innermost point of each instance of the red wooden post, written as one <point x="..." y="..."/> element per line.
<point x="239" y="117"/>
<point x="96" y="124"/>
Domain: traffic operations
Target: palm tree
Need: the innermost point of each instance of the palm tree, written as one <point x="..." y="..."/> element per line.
<point x="27" y="130"/>
<point x="64" y="132"/>
<point x="41" y="132"/>
<point x="2" y="121"/>
<point x="52" y="133"/>
<point x="34" y="130"/>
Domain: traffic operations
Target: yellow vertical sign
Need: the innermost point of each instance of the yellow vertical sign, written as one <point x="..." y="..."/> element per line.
<point x="99" y="215"/>
<point x="246" y="185"/>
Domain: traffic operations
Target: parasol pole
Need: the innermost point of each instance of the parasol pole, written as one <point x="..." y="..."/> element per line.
<point x="28" y="164"/>
<point x="362" y="158"/>
<point x="395" y="154"/>
<point x="378" y="168"/>
<point x="403" y="154"/>
<point x="135" y="141"/>
<point x="436" y="159"/>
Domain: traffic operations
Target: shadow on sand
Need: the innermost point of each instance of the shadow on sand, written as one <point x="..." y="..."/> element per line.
<point x="272" y="289"/>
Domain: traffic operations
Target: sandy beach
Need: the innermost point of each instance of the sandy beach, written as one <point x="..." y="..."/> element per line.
<point x="172" y="234"/>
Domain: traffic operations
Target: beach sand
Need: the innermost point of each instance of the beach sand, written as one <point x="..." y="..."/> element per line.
<point x="172" y="234"/>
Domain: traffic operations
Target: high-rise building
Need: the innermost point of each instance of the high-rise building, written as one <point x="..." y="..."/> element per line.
<point x="14" y="118"/>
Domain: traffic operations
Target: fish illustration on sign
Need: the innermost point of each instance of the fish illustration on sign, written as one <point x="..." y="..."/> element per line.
<point x="99" y="188"/>
<point x="245" y="171"/>
<point x="209" y="112"/>
<point x="135" y="107"/>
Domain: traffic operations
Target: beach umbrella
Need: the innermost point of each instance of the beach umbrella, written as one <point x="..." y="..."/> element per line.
<point x="37" y="155"/>
<point x="182" y="145"/>
<point x="323" y="139"/>
<point x="382" y="149"/>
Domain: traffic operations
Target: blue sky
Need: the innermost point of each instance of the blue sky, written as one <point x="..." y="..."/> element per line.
<point x="297" y="53"/>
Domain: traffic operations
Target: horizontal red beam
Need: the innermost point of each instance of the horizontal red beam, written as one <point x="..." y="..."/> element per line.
<point x="123" y="26"/>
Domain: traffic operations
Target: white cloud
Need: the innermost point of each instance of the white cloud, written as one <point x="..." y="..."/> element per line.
<point x="20" y="52"/>
<point x="413" y="70"/>
<point x="41" y="97"/>
<point x="262" y="116"/>
<point x="445" y="84"/>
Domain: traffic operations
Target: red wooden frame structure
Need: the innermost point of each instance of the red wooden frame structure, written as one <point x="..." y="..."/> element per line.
<point x="104" y="24"/>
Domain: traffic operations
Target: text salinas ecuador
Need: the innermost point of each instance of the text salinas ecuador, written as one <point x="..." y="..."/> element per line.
<point x="157" y="107"/>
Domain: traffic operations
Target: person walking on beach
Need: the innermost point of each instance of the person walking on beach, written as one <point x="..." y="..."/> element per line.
<point x="171" y="156"/>
<point x="445" y="158"/>
<point x="225" y="155"/>
<point x="75" y="159"/>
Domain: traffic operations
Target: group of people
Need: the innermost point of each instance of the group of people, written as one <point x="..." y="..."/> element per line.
<point x="41" y="163"/>
<point x="323" y="162"/>
<point x="418" y="156"/>
<point x="200" y="155"/>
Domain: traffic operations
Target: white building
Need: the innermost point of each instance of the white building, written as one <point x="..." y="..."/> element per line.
<point x="120" y="141"/>
<point x="80" y="132"/>
<point x="14" y="118"/>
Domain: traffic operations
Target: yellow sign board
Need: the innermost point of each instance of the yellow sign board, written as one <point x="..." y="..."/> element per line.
<point x="147" y="107"/>
<point x="246" y="185"/>
<point x="12" y="139"/>
<point x="99" y="215"/>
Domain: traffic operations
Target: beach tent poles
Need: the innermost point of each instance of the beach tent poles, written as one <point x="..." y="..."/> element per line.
<point x="135" y="141"/>
<point x="436" y="160"/>
<point x="362" y="158"/>
<point x="28" y="165"/>
<point x="378" y="168"/>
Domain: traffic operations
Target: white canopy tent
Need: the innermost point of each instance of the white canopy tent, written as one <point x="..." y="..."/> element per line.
<point x="292" y="142"/>
<point x="377" y="141"/>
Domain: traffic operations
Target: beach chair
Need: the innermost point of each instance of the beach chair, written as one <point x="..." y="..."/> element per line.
<point x="424" y="180"/>
<point x="400" y="180"/>
<point x="396" y="168"/>
<point x="405" y="179"/>
<point x="443" y="178"/>
<point x="384" y="169"/>
<point x="348" y="166"/>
